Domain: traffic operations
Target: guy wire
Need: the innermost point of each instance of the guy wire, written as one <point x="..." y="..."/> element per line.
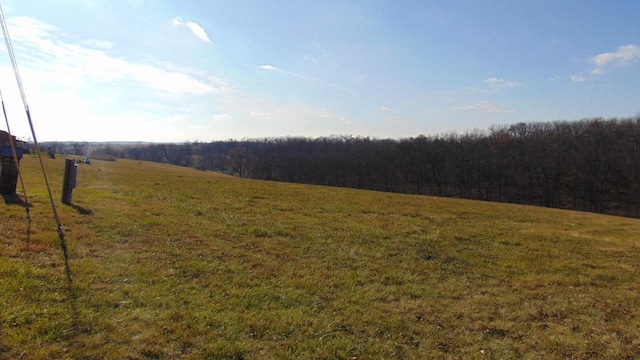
<point x="63" y="243"/>
<point x="17" y="163"/>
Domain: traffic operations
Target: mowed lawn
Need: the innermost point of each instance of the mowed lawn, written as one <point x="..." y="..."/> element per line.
<point x="176" y="263"/>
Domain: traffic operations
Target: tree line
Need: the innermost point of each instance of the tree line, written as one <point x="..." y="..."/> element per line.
<point x="587" y="165"/>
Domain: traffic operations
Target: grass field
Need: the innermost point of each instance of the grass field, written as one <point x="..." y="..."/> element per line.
<point x="173" y="263"/>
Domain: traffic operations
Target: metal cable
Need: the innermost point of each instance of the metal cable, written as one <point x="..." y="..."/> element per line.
<point x="17" y="163"/>
<point x="14" y="63"/>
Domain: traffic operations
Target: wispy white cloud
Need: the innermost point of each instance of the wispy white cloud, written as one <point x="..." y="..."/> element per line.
<point x="163" y="80"/>
<point x="623" y="56"/>
<point x="45" y="49"/>
<point x="325" y="113"/>
<point x="269" y="68"/>
<point x="195" y="28"/>
<point x="310" y="59"/>
<point x="308" y="78"/>
<point x="222" y="117"/>
<point x="80" y="81"/>
<point x="578" y="78"/>
<point x="483" y="107"/>
<point x="259" y="114"/>
<point x="384" y="108"/>
<point x="101" y="44"/>
<point x="498" y="83"/>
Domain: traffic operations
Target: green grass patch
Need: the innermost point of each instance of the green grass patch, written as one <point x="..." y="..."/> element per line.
<point x="170" y="262"/>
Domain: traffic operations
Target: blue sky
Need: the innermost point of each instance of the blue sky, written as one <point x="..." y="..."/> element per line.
<point x="161" y="70"/>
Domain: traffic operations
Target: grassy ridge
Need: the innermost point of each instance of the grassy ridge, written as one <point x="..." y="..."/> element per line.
<point x="172" y="262"/>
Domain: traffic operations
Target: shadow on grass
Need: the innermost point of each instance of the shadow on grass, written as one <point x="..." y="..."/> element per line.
<point x="76" y="324"/>
<point x="13" y="199"/>
<point x="80" y="209"/>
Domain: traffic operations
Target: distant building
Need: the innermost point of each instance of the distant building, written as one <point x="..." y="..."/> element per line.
<point x="8" y="168"/>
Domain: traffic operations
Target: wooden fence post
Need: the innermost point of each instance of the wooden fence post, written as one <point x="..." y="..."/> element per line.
<point x="69" y="181"/>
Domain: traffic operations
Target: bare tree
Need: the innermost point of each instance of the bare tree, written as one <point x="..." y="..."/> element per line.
<point x="238" y="161"/>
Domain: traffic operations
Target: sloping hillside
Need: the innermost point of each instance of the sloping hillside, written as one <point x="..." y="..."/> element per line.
<point x="171" y="262"/>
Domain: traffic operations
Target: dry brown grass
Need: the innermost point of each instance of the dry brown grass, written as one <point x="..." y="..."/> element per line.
<point x="171" y="262"/>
